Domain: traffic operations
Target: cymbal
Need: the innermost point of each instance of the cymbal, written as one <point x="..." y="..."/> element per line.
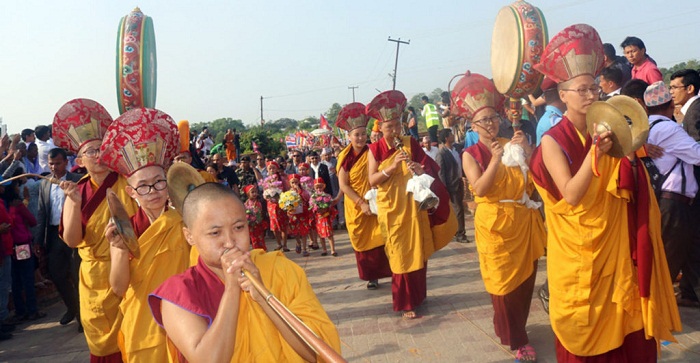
<point x="121" y="219"/>
<point x="182" y="178"/>
<point x="627" y="120"/>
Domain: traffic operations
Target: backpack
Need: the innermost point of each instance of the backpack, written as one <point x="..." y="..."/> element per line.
<point x="655" y="177"/>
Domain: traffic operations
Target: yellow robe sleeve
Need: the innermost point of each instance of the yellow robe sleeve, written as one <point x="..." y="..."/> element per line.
<point x="257" y="338"/>
<point x="164" y="253"/>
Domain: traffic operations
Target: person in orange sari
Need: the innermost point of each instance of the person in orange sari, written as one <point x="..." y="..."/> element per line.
<point x="508" y="226"/>
<point x="211" y="312"/>
<point x="79" y="126"/>
<point x="230" y="146"/>
<point x="412" y="235"/>
<point x="353" y="176"/>
<point x="140" y="144"/>
<point x="611" y="298"/>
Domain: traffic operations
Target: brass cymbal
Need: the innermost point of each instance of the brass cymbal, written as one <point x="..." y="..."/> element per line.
<point x="627" y="120"/>
<point x="182" y="178"/>
<point x="121" y="219"/>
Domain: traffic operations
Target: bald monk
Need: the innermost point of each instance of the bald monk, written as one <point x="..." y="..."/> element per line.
<point x="212" y="313"/>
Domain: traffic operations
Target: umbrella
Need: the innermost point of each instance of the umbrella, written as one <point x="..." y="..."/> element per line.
<point x="321" y="132"/>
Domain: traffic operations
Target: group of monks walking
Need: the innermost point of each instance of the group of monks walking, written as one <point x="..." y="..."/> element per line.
<point x="188" y="294"/>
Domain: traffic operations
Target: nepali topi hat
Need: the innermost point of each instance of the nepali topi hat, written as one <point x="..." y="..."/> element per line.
<point x="657" y="94"/>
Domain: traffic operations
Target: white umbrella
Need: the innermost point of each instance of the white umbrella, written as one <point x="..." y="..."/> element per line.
<point x="321" y="132"/>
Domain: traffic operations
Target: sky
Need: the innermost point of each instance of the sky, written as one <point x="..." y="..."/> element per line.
<point x="216" y="58"/>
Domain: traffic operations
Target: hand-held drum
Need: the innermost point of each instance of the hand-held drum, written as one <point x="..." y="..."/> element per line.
<point x="519" y="38"/>
<point x="136" y="62"/>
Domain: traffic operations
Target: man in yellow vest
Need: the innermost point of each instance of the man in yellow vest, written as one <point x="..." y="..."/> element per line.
<point x="432" y="119"/>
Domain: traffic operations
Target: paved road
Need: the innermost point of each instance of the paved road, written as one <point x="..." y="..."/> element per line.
<point x="455" y="324"/>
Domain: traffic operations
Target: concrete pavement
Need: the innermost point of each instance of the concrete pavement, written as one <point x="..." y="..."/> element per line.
<point x="455" y="324"/>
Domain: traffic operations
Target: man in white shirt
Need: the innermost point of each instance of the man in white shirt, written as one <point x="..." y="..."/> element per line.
<point x="610" y="81"/>
<point x="61" y="261"/>
<point x="428" y="148"/>
<point x="684" y="87"/>
<point x="678" y="190"/>
<point x="44" y="144"/>
<point x="207" y="144"/>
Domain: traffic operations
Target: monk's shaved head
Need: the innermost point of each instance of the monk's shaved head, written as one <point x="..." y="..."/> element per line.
<point x="200" y="196"/>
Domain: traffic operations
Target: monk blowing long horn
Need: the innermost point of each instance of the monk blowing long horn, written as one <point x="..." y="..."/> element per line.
<point x="185" y="178"/>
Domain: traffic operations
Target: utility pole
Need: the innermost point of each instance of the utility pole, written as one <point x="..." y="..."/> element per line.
<point x="396" y="63"/>
<point x="262" y="120"/>
<point x="353" y="91"/>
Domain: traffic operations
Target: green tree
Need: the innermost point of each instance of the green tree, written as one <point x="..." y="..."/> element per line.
<point x="284" y="125"/>
<point x="332" y="113"/>
<point x="309" y="123"/>
<point x="218" y="127"/>
<point x="416" y="103"/>
<point x="436" y="96"/>
<point x="667" y="72"/>
<point x="268" y="143"/>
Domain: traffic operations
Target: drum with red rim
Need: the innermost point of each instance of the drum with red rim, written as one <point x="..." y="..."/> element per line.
<point x="519" y="38"/>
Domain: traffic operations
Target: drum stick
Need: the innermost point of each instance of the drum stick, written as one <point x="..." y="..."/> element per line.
<point x="493" y="138"/>
<point x="50" y="179"/>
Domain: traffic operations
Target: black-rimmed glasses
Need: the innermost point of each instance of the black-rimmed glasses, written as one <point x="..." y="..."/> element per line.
<point x="145" y="189"/>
